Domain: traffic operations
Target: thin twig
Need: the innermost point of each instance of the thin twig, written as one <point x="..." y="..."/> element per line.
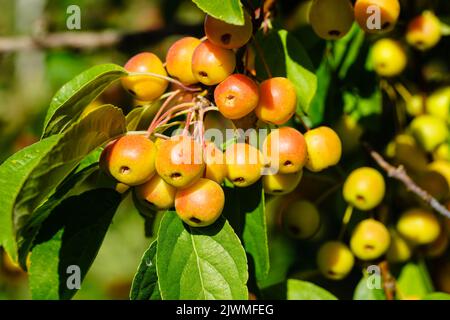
<point x="400" y="174"/>
<point x="388" y="280"/>
<point x="91" y="40"/>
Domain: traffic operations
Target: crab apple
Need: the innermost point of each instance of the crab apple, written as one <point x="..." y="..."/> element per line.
<point x="179" y="161"/>
<point x="289" y="148"/>
<point x="279" y="184"/>
<point x="429" y="131"/>
<point x="179" y="59"/>
<point x="212" y="64"/>
<point x="200" y="204"/>
<point x="228" y="36"/>
<point x="277" y="100"/>
<point x="419" y="226"/>
<point x="129" y="159"/>
<point x="331" y="19"/>
<point x="324" y="148"/>
<point x="399" y="250"/>
<point x="370" y="240"/>
<point x="157" y="193"/>
<point x="438" y="103"/>
<point x="364" y="188"/>
<point x="244" y="164"/>
<point x="442" y="167"/>
<point x="366" y="15"/>
<point x="335" y="260"/>
<point x="415" y="105"/>
<point x="405" y="151"/>
<point x="301" y="219"/>
<point x="434" y="183"/>
<point x="388" y="57"/>
<point x="442" y="152"/>
<point x="236" y="96"/>
<point x="216" y="167"/>
<point x="424" y="31"/>
<point x="145" y="87"/>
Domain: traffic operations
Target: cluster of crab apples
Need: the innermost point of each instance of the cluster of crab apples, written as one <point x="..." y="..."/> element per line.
<point x="186" y="171"/>
<point x="333" y="19"/>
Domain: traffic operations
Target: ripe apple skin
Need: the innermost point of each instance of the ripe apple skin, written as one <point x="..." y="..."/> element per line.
<point x="388" y="57"/>
<point x="212" y="64"/>
<point x="277" y="101"/>
<point x="419" y="226"/>
<point x="244" y="164"/>
<point x="200" y="204"/>
<point x="289" y="146"/>
<point x="335" y="260"/>
<point x="364" y="188"/>
<point x="331" y="19"/>
<point x="216" y="167"/>
<point x="179" y="161"/>
<point x="389" y="13"/>
<point x="236" y="96"/>
<point x="157" y="193"/>
<point x="280" y="184"/>
<point x="227" y="35"/>
<point x="324" y="148"/>
<point x="129" y="159"/>
<point x="370" y="240"/>
<point x="145" y="88"/>
<point x="429" y="131"/>
<point x="424" y="31"/>
<point x="179" y="60"/>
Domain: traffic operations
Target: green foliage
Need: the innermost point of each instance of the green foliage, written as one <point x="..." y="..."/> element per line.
<point x="286" y="57"/>
<point x="200" y="263"/>
<point x="414" y="281"/>
<point x="70" y="236"/>
<point x="69" y="102"/>
<point x="229" y="11"/>
<point x="363" y="292"/>
<point x="303" y="290"/>
<point x="145" y="282"/>
<point x="245" y="211"/>
<point x="31" y="175"/>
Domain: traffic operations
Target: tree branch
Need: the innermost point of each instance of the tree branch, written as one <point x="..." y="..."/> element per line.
<point x="89" y="40"/>
<point x="400" y="174"/>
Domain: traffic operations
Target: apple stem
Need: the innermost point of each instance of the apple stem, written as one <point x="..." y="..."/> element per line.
<point x="158" y="114"/>
<point x="155" y="75"/>
<point x="345" y="220"/>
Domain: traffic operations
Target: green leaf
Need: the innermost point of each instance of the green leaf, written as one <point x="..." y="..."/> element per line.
<point x="245" y="210"/>
<point x="324" y="77"/>
<point x="303" y="290"/>
<point x="145" y="282"/>
<point x="229" y="11"/>
<point x="286" y="57"/>
<point x="30" y="176"/>
<point x="200" y="263"/>
<point x="437" y="296"/>
<point x="69" y="102"/>
<point x="71" y="236"/>
<point x="413" y="281"/>
<point x="27" y="234"/>
<point x="363" y="292"/>
<point x="13" y="175"/>
<point x="98" y="127"/>
<point x="140" y="118"/>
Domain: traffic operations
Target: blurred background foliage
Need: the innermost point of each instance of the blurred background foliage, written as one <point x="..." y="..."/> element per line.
<point x="29" y="78"/>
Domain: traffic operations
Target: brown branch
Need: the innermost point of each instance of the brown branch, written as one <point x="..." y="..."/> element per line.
<point x="400" y="174"/>
<point x="90" y="40"/>
<point x="388" y="281"/>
